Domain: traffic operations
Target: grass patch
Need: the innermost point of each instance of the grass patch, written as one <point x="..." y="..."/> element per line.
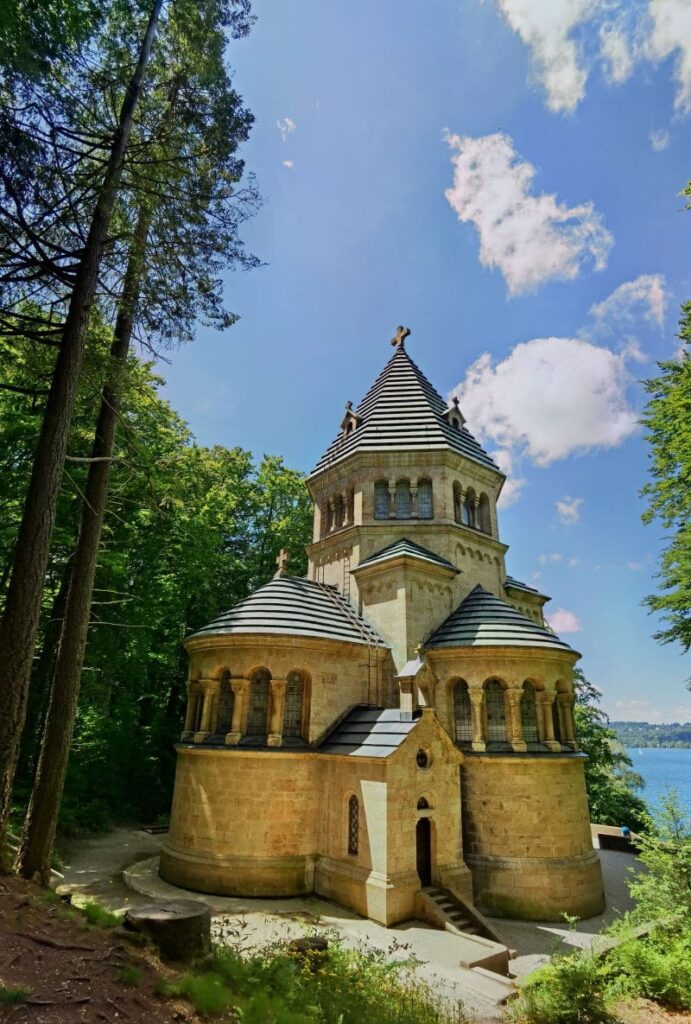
<point x="11" y="996"/>
<point x="131" y="975"/>
<point x="341" y="986"/>
<point x="101" y="916"/>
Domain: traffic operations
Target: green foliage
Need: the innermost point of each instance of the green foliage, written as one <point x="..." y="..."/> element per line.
<point x="568" y="990"/>
<point x="611" y="783"/>
<point x="11" y="996"/>
<point x="664" y="889"/>
<point x="345" y="987"/>
<point x="652" y="734"/>
<point x="189" y="531"/>
<point x="667" y="419"/>
<point x="131" y="976"/>
<point x="656" y="967"/>
<point x="101" y="916"/>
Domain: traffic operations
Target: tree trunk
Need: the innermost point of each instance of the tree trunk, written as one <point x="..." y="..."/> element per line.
<point x="20" y="619"/>
<point x="42" y="815"/>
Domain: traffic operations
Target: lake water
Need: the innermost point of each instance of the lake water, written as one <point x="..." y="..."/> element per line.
<point x="663" y="768"/>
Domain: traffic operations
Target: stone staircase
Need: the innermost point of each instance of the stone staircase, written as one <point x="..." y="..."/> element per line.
<point x="483" y="948"/>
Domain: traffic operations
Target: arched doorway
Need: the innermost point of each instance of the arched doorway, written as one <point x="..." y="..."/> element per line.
<point x="423" y="847"/>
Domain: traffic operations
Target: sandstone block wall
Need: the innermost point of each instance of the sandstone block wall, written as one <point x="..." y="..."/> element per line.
<point x="527" y="837"/>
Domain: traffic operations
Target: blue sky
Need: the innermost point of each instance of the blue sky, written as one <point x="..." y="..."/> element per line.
<point x="503" y="178"/>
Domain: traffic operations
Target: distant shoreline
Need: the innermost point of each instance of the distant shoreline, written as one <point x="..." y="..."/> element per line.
<point x="653" y="735"/>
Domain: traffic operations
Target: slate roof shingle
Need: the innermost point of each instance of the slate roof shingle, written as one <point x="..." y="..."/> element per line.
<point x="406" y="547"/>
<point x="368" y="732"/>
<point x="402" y="410"/>
<point x="294" y="606"/>
<point x="483" y="620"/>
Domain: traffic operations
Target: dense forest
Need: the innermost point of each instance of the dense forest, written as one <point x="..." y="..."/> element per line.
<point x="648" y="734"/>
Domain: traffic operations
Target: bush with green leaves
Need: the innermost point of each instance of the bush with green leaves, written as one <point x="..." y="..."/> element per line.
<point x="568" y="990"/>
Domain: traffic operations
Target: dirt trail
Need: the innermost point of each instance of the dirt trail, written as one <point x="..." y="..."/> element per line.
<point x="93" y="867"/>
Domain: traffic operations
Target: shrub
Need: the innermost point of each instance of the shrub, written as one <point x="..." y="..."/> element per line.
<point x="130" y="975"/>
<point x="656" y="967"/>
<point x="568" y="990"/>
<point x="11" y="996"/>
<point x="101" y="916"/>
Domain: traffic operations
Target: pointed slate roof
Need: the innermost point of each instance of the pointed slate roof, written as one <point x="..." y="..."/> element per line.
<point x="483" y="620"/>
<point x="511" y="583"/>
<point x="294" y="606"/>
<point x="403" y="546"/>
<point x="403" y="411"/>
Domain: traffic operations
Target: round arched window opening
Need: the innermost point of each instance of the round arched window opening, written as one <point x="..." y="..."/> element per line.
<point x="422" y="758"/>
<point x="423" y="804"/>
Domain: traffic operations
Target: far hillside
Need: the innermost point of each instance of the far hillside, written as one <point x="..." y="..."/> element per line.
<point x="646" y="734"/>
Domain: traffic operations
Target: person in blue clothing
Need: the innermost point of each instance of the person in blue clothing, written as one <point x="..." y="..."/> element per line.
<point x="626" y="831"/>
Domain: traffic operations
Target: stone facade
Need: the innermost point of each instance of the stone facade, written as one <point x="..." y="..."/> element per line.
<point x="400" y="717"/>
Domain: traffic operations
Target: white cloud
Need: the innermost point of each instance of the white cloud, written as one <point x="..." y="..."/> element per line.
<point x="568" y="38"/>
<point x="569" y="509"/>
<point x="550" y="398"/>
<point x="659" y="140"/>
<point x="513" y="485"/>
<point x="289" y="164"/>
<point x="552" y="556"/>
<point x="563" y="621"/>
<point x="646" y="296"/>
<point x="573" y="562"/>
<point x="530" y="238"/>
<point x="671" y="34"/>
<point x="286" y="126"/>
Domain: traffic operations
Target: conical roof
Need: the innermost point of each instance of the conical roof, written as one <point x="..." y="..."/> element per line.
<point x="402" y="410"/>
<point x="483" y="620"/>
<point x="293" y="606"/>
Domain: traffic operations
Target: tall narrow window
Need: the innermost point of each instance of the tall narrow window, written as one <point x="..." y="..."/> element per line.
<point x="353" y="826"/>
<point x="462" y="713"/>
<point x="294" y="703"/>
<point x="457" y="503"/>
<point x="381" y="499"/>
<point x="496" y="712"/>
<point x="529" y="714"/>
<point x="556" y="721"/>
<point x="330" y="515"/>
<point x="340" y="510"/>
<point x="258" y="704"/>
<point x="404" y="500"/>
<point x="484" y="520"/>
<point x="198" y="703"/>
<point x="425" y="500"/>
<point x="469" y="508"/>
<point x="225" y="705"/>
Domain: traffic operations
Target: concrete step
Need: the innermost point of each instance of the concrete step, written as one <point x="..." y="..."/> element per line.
<point x="493" y="986"/>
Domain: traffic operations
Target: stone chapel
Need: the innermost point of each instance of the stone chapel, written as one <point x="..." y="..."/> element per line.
<point x="402" y="717"/>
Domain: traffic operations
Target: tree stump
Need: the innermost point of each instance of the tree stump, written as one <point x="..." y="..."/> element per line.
<point x="311" y="950"/>
<point x="180" y="928"/>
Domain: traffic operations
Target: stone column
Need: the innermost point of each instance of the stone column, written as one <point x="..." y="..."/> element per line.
<point x="565" y="701"/>
<point x="346" y="508"/>
<point x="476" y="696"/>
<point x="330" y="515"/>
<point x="516" y="731"/>
<point x="392" y="501"/>
<point x="190" y="714"/>
<point x="240" y="695"/>
<point x="209" y="688"/>
<point x="413" y="500"/>
<point x="544" y="718"/>
<point x="278" y="698"/>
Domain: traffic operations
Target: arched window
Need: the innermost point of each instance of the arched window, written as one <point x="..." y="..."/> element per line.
<point x="258" y="710"/>
<point x="404" y="500"/>
<point x="294" y="704"/>
<point x="340" y="510"/>
<point x="529" y="714"/>
<point x="198" y="702"/>
<point x="330" y="522"/>
<point x="425" y="500"/>
<point x="462" y="713"/>
<point x="496" y="712"/>
<point x="353" y="826"/>
<point x="469" y="508"/>
<point x="226" y="699"/>
<point x="484" y="520"/>
<point x="457" y="503"/>
<point x="381" y="499"/>
<point x="423" y="804"/>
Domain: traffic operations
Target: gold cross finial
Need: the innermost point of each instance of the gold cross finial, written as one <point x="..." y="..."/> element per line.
<point x="401" y="335"/>
<point x="282" y="562"/>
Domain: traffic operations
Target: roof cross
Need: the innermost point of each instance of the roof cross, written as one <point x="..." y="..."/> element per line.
<point x="401" y="335"/>
<point x="282" y="562"/>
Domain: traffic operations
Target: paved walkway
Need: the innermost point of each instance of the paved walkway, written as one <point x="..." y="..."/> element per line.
<point x="98" y="869"/>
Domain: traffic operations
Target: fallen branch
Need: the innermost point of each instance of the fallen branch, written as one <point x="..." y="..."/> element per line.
<point x="43" y="940"/>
